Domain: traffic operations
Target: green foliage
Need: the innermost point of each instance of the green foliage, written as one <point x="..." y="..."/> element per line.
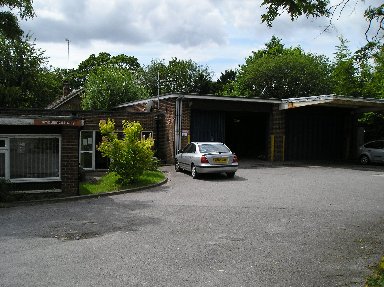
<point x="177" y="76"/>
<point x="108" y="86"/>
<point x="376" y="83"/>
<point x="9" y="25"/>
<point x="130" y="156"/>
<point x="111" y="182"/>
<point x="323" y="8"/>
<point x="225" y="84"/>
<point x="345" y="75"/>
<point x="78" y="77"/>
<point x="294" y="8"/>
<point x="24" y="80"/>
<point x="377" y="278"/>
<point x="373" y="124"/>
<point x="278" y="72"/>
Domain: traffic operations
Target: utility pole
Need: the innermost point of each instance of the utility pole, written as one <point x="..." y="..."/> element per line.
<point x="158" y="90"/>
<point x="66" y="39"/>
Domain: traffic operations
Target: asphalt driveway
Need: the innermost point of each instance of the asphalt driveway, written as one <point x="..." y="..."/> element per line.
<point x="271" y="225"/>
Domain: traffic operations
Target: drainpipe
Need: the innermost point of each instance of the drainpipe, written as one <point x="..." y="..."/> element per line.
<point x="178" y="123"/>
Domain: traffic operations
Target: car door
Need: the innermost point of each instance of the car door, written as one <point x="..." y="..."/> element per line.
<point x="185" y="156"/>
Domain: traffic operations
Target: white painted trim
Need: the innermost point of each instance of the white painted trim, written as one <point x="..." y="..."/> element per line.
<point x="31" y="136"/>
<point x="16" y="122"/>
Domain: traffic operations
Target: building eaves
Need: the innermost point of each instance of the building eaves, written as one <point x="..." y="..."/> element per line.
<point x="358" y="104"/>
<point x="200" y="97"/>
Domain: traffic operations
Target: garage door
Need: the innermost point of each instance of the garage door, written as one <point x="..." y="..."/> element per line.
<point x="207" y="126"/>
<point x="314" y="134"/>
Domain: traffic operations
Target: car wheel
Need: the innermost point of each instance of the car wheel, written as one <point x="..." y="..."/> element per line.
<point x="230" y="174"/>
<point x="194" y="172"/>
<point x="364" y="159"/>
<point x="177" y="166"/>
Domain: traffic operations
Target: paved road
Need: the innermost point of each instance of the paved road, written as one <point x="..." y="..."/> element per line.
<point x="269" y="226"/>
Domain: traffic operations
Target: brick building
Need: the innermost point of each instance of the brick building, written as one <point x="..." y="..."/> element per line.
<point x="311" y="128"/>
<point x="43" y="149"/>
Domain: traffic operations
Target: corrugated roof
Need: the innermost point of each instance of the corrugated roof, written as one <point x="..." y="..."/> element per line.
<point x="359" y="104"/>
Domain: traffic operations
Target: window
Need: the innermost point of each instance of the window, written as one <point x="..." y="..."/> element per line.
<point x="191" y="148"/>
<point x="219" y="148"/>
<point x="375" y="145"/>
<point x="87" y="149"/>
<point x="30" y="157"/>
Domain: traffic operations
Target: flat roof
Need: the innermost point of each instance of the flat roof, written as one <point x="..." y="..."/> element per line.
<point x="201" y="97"/>
<point x="361" y="105"/>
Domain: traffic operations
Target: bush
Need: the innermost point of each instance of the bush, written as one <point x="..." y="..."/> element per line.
<point x="130" y="156"/>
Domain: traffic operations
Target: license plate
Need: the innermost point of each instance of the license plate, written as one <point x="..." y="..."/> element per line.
<point x="220" y="160"/>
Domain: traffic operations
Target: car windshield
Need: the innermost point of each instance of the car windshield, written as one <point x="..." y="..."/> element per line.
<point x="213" y="148"/>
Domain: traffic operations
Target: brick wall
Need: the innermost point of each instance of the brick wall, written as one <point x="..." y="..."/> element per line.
<point x="70" y="160"/>
<point x="168" y="108"/>
<point x="154" y="122"/>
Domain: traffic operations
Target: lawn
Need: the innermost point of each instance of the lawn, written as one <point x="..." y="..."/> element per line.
<point x="377" y="278"/>
<point x="110" y="182"/>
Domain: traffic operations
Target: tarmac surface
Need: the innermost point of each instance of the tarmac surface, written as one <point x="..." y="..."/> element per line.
<point x="271" y="225"/>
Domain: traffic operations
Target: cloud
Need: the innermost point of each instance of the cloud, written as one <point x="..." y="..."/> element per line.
<point x="132" y="22"/>
<point x="217" y="33"/>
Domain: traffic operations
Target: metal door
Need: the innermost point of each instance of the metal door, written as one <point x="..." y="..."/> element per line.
<point x="207" y="126"/>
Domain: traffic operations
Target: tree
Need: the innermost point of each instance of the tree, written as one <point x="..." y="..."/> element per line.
<point x="130" y="156"/>
<point x="224" y="85"/>
<point x="376" y="85"/>
<point x="108" y="86"/>
<point x="9" y="25"/>
<point x="278" y="72"/>
<point x="177" y="76"/>
<point x="323" y="8"/>
<point x="345" y="74"/>
<point x="25" y="82"/>
<point x="77" y="77"/>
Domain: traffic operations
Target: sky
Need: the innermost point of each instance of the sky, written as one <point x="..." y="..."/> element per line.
<point x="219" y="34"/>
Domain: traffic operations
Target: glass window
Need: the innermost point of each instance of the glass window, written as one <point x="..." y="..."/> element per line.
<point x="34" y="157"/>
<point x="219" y="148"/>
<point x="86" y="143"/>
<point x="190" y="148"/>
<point x="87" y="149"/>
<point x="375" y="145"/>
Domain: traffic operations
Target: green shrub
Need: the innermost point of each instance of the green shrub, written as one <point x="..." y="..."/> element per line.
<point x="130" y="156"/>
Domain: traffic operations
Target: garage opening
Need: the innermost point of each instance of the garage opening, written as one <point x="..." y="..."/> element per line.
<point x="316" y="134"/>
<point x="244" y="132"/>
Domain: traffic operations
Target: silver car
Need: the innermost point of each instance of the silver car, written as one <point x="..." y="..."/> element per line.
<point x="206" y="157"/>
<point x="372" y="152"/>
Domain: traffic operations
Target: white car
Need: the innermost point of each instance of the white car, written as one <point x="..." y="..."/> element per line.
<point x="372" y="152"/>
<point x="206" y="157"/>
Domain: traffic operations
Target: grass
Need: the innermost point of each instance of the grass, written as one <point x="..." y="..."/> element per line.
<point x="377" y="278"/>
<point x="110" y="182"/>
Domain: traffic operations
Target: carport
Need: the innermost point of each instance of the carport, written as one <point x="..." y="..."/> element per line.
<point x="324" y="127"/>
<point x="308" y="128"/>
<point x="242" y="123"/>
